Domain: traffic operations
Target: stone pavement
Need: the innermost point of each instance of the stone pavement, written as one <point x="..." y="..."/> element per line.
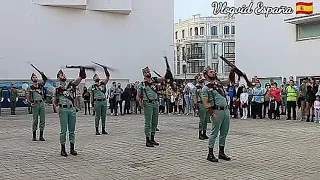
<point x="261" y="149"/>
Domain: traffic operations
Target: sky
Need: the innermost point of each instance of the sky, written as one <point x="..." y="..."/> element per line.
<point x="184" y="9"/>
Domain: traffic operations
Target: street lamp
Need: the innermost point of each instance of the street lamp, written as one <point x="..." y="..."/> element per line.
<point x="184" y="69"/>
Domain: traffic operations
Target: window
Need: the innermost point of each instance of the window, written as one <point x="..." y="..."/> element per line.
<point x="215" y="66"/>
<point x="229" y="50"/>
<point x="214" y="30"/>
<point x="182" y="33"/>
<point x="196" y="33"/>
<point x="195" y="66"/>
<point x="214" y="51"/>
<point x="190" y="32"/>
<point x="233" y="29"/>
<point x="226" y="30"/>
<point x="183" y="53"/>
<point x="195" y="51"/>
<point x="176" y="34"/>
<point x="307" y="31"/>
<point x="202" y="31"/>
<point x="178" y="67"/>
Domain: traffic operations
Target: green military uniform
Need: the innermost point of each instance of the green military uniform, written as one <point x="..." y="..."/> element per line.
<point x="220" y="113"/>
<point x="151" y="109"/>
<point x="203" y="113"/>
<point x="38" y="109"/>
<point x="13" y="95"/>
<point x="98" y="91"/>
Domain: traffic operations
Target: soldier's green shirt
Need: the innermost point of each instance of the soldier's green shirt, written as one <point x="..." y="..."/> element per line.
<point x="99" y="90"/>
<point x="36" y="93"/>
<point x="214" y="97"/>
<point x="148" y="91"/>
<point x="13" y="94"/>
<point x="65" y="94"/>
<point x="198" y="91"/>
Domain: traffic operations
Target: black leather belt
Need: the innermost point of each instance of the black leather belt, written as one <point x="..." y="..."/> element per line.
<point x="151" y="101"/>
<point x="221" y="108"/>
<point x="199" y="102"/>
<point x="40" y="101"/>
<point x="65" y="106"/>
<point x="99" y="99"/>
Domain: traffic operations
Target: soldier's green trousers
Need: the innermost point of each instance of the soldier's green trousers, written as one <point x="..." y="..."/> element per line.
<point x="100" y="108"/>
<point x="67" y="121"/>
<point x="204" y="118"/>
<point x="151" y="115"/>
<point x="13" y="105"/>
<point x="38" y="109"/>
<point x="221" y="125"/>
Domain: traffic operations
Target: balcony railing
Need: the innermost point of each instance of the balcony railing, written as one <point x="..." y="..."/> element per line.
<point x="203" y="37"/>
<point x="195" y="56"/>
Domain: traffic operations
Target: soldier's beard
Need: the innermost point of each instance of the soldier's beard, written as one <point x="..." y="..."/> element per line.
<point x="63" y="79"/>
<point x="96" y="80"/>
<point x="212" y="78"/>
<point x="148" y="75"/>
<point x="201" y="81"/>
<point x="34" y="80"/>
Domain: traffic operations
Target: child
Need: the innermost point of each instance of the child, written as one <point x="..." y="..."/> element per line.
<point x="180" y="103"/>
<point x="244" y="98"/>
<point x="272" y="108"/>
<point x="317" y="109"/>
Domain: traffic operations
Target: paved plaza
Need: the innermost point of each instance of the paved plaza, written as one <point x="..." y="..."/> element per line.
<point x="260" y="149"/>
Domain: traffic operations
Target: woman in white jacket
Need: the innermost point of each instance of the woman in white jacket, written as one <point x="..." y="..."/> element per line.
<point x="244" y="98"/>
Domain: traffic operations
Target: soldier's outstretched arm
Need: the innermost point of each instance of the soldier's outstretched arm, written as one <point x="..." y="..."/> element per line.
<point x="107" y="75"/>
<point x="82" y="75"/>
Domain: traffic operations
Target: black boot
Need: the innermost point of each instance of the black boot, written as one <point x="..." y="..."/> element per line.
<point x="72" y="151"/>
<point x="308" y="118"/>
<point x="148" y="142"/>
<point x="34" y="135"/>
<point x="153" y="141"/>
<point x="211" y="156"/>
<point x="205" y="135"/>
<point x="41" y="136"/>
<point x="63" y="150"/>
<point x="312" y="118"/>
<point x="222" y="155"/>
<point x="201" y="136"/>
<point x="97" y="131"/>
<point x="104" y="130"/>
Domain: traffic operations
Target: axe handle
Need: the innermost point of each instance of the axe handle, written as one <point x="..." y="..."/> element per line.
<point x="157" y="74"/>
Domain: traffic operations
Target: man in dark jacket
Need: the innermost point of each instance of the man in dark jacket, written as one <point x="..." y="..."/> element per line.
<point x="127" y="98"/>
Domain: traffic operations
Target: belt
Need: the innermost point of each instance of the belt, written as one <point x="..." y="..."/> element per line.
<point x="151" y="101"/>
<point x="199" y="102"/>
<point x="99" y="99"/>
<point x="222" y="108"/>
<point x="40" y="101"/>
<point x="65" y="106"/>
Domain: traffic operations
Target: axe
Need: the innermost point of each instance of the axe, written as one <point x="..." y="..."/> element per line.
<point x="103" y="66"/>
<point x="237" y="71"/>
<point x="169" y="75"/>
<point x="81" y="67"/>
<point x="44" y="77"/>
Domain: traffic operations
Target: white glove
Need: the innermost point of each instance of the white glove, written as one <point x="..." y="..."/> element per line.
<point x="17" y="99"/>
<point x="1" y="99"/>
<point x="9" y="100"/>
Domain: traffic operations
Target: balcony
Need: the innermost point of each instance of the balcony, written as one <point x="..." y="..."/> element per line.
<point x="79" y="4"/>
<point x="195" y="56"/>
<point x="209" y="37"/>
<point x="112" y="6"/>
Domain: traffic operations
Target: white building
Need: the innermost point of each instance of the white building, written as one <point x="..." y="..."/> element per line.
<point x="53" y="33"/>
<point x="200" y="41"/>
<point x="279" y="45"/>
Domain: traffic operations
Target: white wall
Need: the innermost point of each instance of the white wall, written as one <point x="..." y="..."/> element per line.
<point x="51" y="37"/>
<point x="269" y="43"/>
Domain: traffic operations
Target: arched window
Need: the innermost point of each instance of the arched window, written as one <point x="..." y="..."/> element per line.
<point x="226" y="30"/>
<point x="196" y="33"/>
<point x="202" y="31"/>
<point x="214" y="30"/>
<point x="233" y="29"/>
<point x="182" y="33"/>
<point x="190" y="32"/>
<point x="176" y="35"/>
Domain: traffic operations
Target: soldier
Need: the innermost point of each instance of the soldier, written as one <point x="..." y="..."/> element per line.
<point x="13" y="98"/>
<point x="35" y="97"/>
<point x="99" y="101"/>
<point x="148" y="99"/>
<point x="66" y="109"/>
<point x="215" y="101"/>
<point x="203" y="114"/>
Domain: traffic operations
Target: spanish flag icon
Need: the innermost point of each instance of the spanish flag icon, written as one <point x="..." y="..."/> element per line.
<point x="304" y="8"/>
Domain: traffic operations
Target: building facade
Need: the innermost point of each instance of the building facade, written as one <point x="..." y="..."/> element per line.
<point x="279" y="44"/>
<point x="199" y="42"/>
<point x="55" y="33"/>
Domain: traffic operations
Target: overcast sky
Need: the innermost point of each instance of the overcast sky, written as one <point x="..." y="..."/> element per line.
<point x="184" y="9"/>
